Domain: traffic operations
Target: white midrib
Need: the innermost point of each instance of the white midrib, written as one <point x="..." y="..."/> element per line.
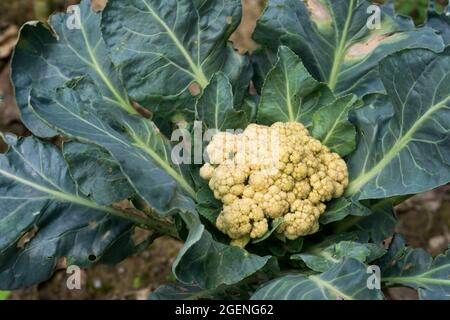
<point x="164" y="165"/>
<point x="339" y="53"/>
<point x="216" y="111"/>
<point x="328" y="286"/>
<point x="198" y="72"/>
<point x="417" y="280"/>
<point x="64" y="197"/>
<point x="57" y="194"/>
<point x="288" y="96"/>
<point x="420" y="278"/>
<point x="124" y="104"/>
<point x="356" y="185"/>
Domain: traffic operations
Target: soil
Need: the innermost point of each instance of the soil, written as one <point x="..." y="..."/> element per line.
<point x="423" y="220"/>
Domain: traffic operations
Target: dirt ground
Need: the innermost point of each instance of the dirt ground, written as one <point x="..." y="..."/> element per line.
<point x="423" y="220"/>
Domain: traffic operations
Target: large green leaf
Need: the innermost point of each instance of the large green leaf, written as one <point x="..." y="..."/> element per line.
<point x="404" y="145"/>
<point x="239" y="71"/>
<point x="263" y="60"/>
<point x="334" y="41"/>
<point x="345" y="281"/>
<point x="97" y="174"/>
<point x="215" y="108"/>
<point x="332" y="127"/>
<point x="379" y="225"/>
<point x="135" y="143"/>
<point x="340" y="208"/>
<point x="164" y="46"/>
<point x="44" y="219"/>
<point x="45" y="59"/>
<point x="238" y="291"/>
<point x="322" y="259"/>
<point x="440" y="22"/>
<point x="416" y="268"/>
<point x="208" y="264"/>
<point x="290" y="93"/>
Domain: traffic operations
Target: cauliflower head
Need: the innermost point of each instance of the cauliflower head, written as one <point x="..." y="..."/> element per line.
<point x="265" y="173"/>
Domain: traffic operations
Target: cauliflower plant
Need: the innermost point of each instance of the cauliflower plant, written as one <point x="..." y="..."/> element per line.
<point x="272" y="172"/>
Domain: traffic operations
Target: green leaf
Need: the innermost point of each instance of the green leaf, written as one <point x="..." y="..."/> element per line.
<point x="403" y="138"/>
<point x="239" y="291"/>
<point x="44" y="219"/>
<point x="322" y="259"/>
<point x="416" y="268"/>
<point x="215" y="107"/>
<point x="45" y="59"/>
<point x="239" y="70"/>
<point x="99" y="177"/>
<point x="135" y="143"/>
<point x="4" y="295"/>
<point x="209" y="264"/>
<point x="379" y="225"/>
<point x="340" y="208"/>
<point x="290" y="93"/>
<point x="334" y="41"/>
<point x="336" y="237"/>
<point x="263" y="60"/>
<point x="208" y="212"/>
<point x="331" y="126"/>
<point x="345" y="281"/>
<point x="164" y="46"/>
<point x="179" y="291"/>
<point x="440" y="22"/>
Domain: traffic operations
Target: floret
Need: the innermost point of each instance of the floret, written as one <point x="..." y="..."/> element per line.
<point x="266" y="173"/>
<point x="242" y="218"/>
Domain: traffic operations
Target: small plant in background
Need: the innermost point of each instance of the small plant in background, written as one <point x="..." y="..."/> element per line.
<point x="417" y="9"/>
<point x="360" y="117"/>
<point x="4" y="295"/>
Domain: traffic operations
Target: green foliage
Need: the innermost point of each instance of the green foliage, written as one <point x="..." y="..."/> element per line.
<point x="345" y="281"/>
<point x="4" y="295"/>
<point x="380" y="98"/>
<point x="416" y="268"/>
<point x="417" y="9"/>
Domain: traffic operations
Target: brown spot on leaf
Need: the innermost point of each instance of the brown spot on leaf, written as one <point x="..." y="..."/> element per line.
<point x="98" y="5"/>
<point x="142" y="111"/>
<point x="27" y="237"/>
<point x="229" y="19"/>
<point x="364" y="48"/>
<point x="319" y="13"/>
<point x="194" y="89"/>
